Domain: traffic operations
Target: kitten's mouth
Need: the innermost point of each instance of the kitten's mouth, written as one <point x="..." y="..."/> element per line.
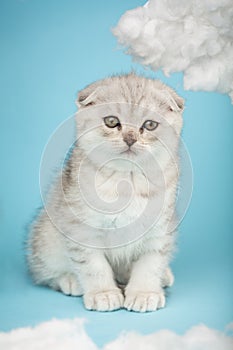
<point x="128" y="151"/>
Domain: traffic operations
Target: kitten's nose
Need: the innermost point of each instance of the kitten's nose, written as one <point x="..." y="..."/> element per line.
<point x="129" y="138"/>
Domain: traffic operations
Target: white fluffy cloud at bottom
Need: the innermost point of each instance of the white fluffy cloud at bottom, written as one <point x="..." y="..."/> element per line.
<point x="194" y="37"/>
<point x="70" y="334"/>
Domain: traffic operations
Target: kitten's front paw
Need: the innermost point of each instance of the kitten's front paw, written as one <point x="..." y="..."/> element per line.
<point x="144" y="301"/>
<point x="104" y="301"/>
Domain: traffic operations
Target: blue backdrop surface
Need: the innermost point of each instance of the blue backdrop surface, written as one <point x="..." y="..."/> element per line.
<point x="50" y="50"/>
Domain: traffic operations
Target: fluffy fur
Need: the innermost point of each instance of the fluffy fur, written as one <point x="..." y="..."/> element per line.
<point x="113" y="244"/>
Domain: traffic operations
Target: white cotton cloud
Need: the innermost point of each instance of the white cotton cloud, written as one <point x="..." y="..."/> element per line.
<point x="54" y="335"/>
<point x="197" y="338"/>
<point x="194" y="37"/>
<point x="70" y="334"/>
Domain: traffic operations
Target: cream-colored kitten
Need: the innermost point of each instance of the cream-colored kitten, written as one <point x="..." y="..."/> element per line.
<point x="107" y="230"/>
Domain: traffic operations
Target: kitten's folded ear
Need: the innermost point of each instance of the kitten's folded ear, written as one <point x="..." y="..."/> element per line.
<point x="88" y="96"/>
<point x="176" y="102"/>
<point x="179" y="102"/>
<point x="85" y="98"/>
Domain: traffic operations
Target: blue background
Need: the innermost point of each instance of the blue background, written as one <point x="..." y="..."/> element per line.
<point x="49" y="51"/>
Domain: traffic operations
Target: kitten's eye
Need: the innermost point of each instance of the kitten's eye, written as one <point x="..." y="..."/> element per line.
<point x="150" y="125"/>
<point x="112" y="122"/>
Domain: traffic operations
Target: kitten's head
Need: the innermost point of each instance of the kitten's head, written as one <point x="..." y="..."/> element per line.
<point x="129" y="117"/>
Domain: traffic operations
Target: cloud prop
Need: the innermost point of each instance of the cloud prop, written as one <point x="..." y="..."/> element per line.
<point x="70" y="334"/>
<point x="194" y="37"/>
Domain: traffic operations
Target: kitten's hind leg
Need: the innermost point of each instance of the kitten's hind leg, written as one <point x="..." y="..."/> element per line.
<point x="68" y="284"/>
<point x="168" y="278"/>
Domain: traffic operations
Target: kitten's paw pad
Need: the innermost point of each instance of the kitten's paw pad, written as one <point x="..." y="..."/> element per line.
<point x="168" y="278"/>
<point x="69" y="285"/>
<point x="104" y="301"/>
<point x="144" y="301"/>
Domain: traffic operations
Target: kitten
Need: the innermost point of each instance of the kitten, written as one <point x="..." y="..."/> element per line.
<point x="105" y="232"/>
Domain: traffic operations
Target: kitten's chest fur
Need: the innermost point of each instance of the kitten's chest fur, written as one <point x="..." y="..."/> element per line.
<point x="121" y="196"/>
